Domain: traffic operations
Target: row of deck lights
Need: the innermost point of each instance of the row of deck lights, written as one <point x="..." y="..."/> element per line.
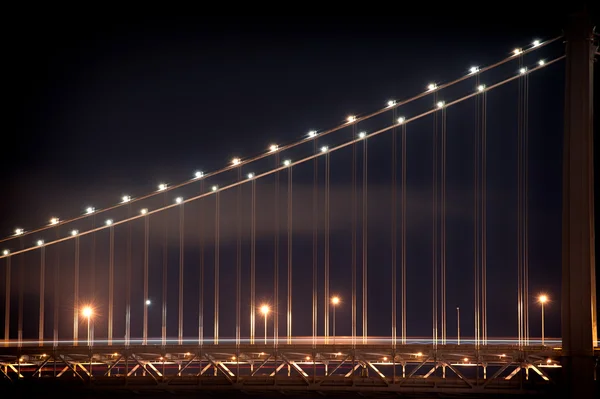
<point x="274" y="148"/>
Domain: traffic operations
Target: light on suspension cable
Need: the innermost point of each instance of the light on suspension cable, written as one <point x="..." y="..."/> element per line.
<point x="126" y="198"/>
<point x="431" y="86"/>
<point x="74" y="232"/>
<point x="362" y="135"/>
<point x="179" y="200"/>
<point x="481" y="88"/>
<point x="54" y="221"/>
<point x="215" y="188"/>
<point x="5" y="252"/>
<point x="198" y="174"/>
<point x="536" y="43"/>
<point x="312" y="133"/>
<point x="89" y="210"/>
<point x="40" y="243"/>
<point x="440" y="104"/>
<point x="324" y="148"/>
<point x="18" y="231"/>
<point x="391" y="103"/>
<point x="517" y="51"/>
<point x="148" y="302"/>
<point x="162" y="187"/>
<point x="401" y="120"/>
<point x="351" y="118"/>
<point x="273" y="147"/>
<point x="541" y="62"/>
<point x="250" y="175"/>
<point x="474" y="69"/>
<point x="109" y="222"/>
<point x="236" y="161"/>
<point x="523" y="71"/>
<point x="144" y="211"/>
<point x="287" y="162"/>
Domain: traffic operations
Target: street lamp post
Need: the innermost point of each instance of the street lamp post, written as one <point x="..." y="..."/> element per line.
<point x="264" y="309"/>
<point x="543" y="299"/>
<point x="334" y="301"/>
<point x="87" y="313"/>
<point x="458" y="325"/>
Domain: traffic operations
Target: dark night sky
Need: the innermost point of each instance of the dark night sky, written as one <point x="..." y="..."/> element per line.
<point x="94" y="109"/>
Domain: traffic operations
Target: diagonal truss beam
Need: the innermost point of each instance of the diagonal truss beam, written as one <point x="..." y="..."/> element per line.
<point x="277" y="369"/>
<point x="511" y="375"/>
<point x="261" y="365"/>
<point x="540" y="372"/>
<point x="204" y="369"/>
<point x="339" y="365"/>
<point x="376" y="370"/>
<point x="15" y="370"/>
<point x="39" y="369"/>
<point x="458" y="373"/>
<point x="216" y="366"/>
<point x="349" y="373"/>
<point x="183" y="368"/>
<point x="113" y="365"/>
<point x="143" y="366"/>
<point x="296" y="367"/>
<point x="5" y="374"/>
<point x="415" y="370"/>
<point x="497" y="373"/>
<point x="69" y="365"/>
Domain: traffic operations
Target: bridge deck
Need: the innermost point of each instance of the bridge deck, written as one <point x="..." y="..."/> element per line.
<point x="415" y="368"/>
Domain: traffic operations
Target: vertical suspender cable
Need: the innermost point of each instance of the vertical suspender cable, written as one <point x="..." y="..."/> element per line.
<point x="484" y="218"/>
<point x="315" y="243"/>
<point x="326" y="252"/>
<point x="56" y="291"/>
<point x="403" y="233"/>
<point x="128" y="282"/>
<point x="201" y="282"/>
<point x="42" y="294"/>
<point x="111" y="283"/>
<point x="476" y="212"/>
<point x="21" y="288"/>
<point x="217" y="250"/>
<point x="181" y="269"/>
<point x="364" y="240"/>
<point x="7" y="303"/>
<point x="394" y="227"/>
<point x="354" y="211"/>
<point x="443" y="229"/>
<point x="238" y="263"/>
<point x="253" y="263"/>
<point x="93" y="271"/>
<point x="76" y="294"/>
<point x="434" y="253"/>
<point x="526" y="206"/>
<point x="146" y="255"/>
<point x="289" y="253"/>
<point x="164" y="276"/>
<point x="276" y="259"/>
<point x="520" y="208"/>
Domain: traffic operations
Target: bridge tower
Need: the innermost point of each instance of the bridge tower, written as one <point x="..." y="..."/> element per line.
<point x="579" y="330"/>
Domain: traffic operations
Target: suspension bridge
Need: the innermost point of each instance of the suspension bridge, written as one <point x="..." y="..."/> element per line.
<point x="178" y="290"/>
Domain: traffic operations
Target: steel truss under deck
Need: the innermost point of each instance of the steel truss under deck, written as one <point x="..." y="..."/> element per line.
<point x="364" y="369"/>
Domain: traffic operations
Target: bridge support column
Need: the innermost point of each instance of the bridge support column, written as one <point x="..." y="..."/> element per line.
<point x="578" y="263"/>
